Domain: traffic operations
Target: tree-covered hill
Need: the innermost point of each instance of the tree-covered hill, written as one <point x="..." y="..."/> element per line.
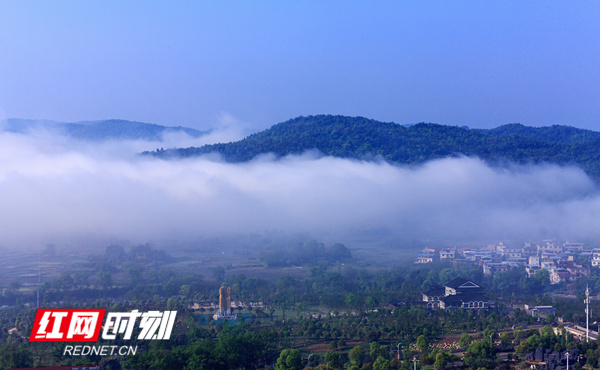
<point x="362" y="138"/>
<point x="126" y="130"/>
<point x="113" y="129"/>
<point x="552" y="134"/>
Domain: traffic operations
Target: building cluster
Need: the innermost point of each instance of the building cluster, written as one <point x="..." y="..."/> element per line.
<point x="559" y="259"/>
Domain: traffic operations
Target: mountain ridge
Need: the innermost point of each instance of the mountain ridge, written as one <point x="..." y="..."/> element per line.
<point x="100" y="130"/>
<point x="363" y="138"/>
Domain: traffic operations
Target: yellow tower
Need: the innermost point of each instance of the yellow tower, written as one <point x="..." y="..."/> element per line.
<point x="225" y="304"/>
<point x="225" y="299"/>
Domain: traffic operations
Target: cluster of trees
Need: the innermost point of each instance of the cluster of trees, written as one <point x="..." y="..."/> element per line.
<point x="358" y="137"/>
<point x="348" y="294"/>
<point x="478" y="353"/>
<point x="309" y="253"/>
<point x="225" y="347"/>
<point x="15" y="355"/>
<point x="376" y="357"/>
<point x="137" y="273"/>
<point x="116" y="129"/>
<point x="140" y="255"/>
<point x="140" y="273"/>
<point x="405" y="325"/>
<point x="221" y="346"/>
<point x="517" y="280"/>
<point x="190" y="347"/>
<point x="547" y="338"/>
<point x="551" y="134"/>
<point x="234" y="347"/>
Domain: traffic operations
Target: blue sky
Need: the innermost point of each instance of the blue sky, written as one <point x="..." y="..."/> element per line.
<point x="198" y="64"/>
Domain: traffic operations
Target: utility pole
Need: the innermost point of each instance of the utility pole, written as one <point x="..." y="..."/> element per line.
<point x="567" y="354"/>
<point x="415" y="362"/>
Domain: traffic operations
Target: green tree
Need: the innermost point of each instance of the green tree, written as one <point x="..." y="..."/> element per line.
<point x="480" y="354"/>
<point x="14" y="356"/>
<point x="352" y="300"/>
<point x="440" y="361"/>
<point x="371" y="302"/>
<point x="64" y="281"/>
<point x="105" y="279"/>
<point x="384" y="351"/>
<point x="374" y="350"/>
<point x="541" y="279"/>
<point x="338" y="252"/>
<point x="81" y="279"/>
<point x="289" y="359"/>
<point x="185" y="290"/>
<point x="447" y="275"/>
<point x="465" y="341"/>
<point x="218" y="273"/>
<point x="505" y="338"/>
<point x="422" y="344"/>
<point x="357" y="356"/>
<point x="332" y="359"/>
<point x="523" y="348"/>
<point x="14" y="285"/>
<point x="381" y="364"/>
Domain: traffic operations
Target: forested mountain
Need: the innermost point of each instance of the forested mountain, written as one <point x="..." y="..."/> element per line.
<point x="113" y="129"/>
<point x="362" y="138"/>
<point x="551" y="134"/>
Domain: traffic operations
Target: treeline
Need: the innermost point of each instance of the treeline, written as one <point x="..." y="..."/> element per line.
<point x="141" y="274"/>
<point x="112" y="129"/>
<point x="309" y="253"/>
<point x="190" y="347"/>
<point x="362" y="138"/>
<point x="136" y="273"/>
<point x="221" y="346"/>
<point x="355" y="301"/>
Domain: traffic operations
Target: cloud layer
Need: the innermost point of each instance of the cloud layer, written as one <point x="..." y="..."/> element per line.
<point x="58" y="190"/>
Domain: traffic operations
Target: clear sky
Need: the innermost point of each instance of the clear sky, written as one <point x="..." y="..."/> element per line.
<point x="198" y="63"/>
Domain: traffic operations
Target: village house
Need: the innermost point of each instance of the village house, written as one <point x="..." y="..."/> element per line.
<point x="596" y="257"/>
<point x="541" y="311"/>
<point x="457" y="294"/>
<point x="447" y="254"/>
<point x="559" y="275"/>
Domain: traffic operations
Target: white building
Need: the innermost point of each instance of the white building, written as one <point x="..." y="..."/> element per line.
<point x="596" y="257"/>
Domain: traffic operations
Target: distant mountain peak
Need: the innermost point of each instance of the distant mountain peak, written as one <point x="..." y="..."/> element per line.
<point x="101" y="130"/>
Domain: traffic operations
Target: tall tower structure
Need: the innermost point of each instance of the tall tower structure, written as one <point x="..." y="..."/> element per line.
<point x="225" y="304"/>
<point x="225" y="299"/>
<point x="587" y="313"/>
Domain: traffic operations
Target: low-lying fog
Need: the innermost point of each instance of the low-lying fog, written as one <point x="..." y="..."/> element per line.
<point x="56" y="189"/>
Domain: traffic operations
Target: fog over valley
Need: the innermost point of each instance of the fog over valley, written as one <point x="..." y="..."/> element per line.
<point x="299" y="185"/>
<point x="60" y="190"/>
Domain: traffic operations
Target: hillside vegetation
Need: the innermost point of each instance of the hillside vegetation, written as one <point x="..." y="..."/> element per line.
<point x="112" y="129"/>
<point x="366" y="139"/>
